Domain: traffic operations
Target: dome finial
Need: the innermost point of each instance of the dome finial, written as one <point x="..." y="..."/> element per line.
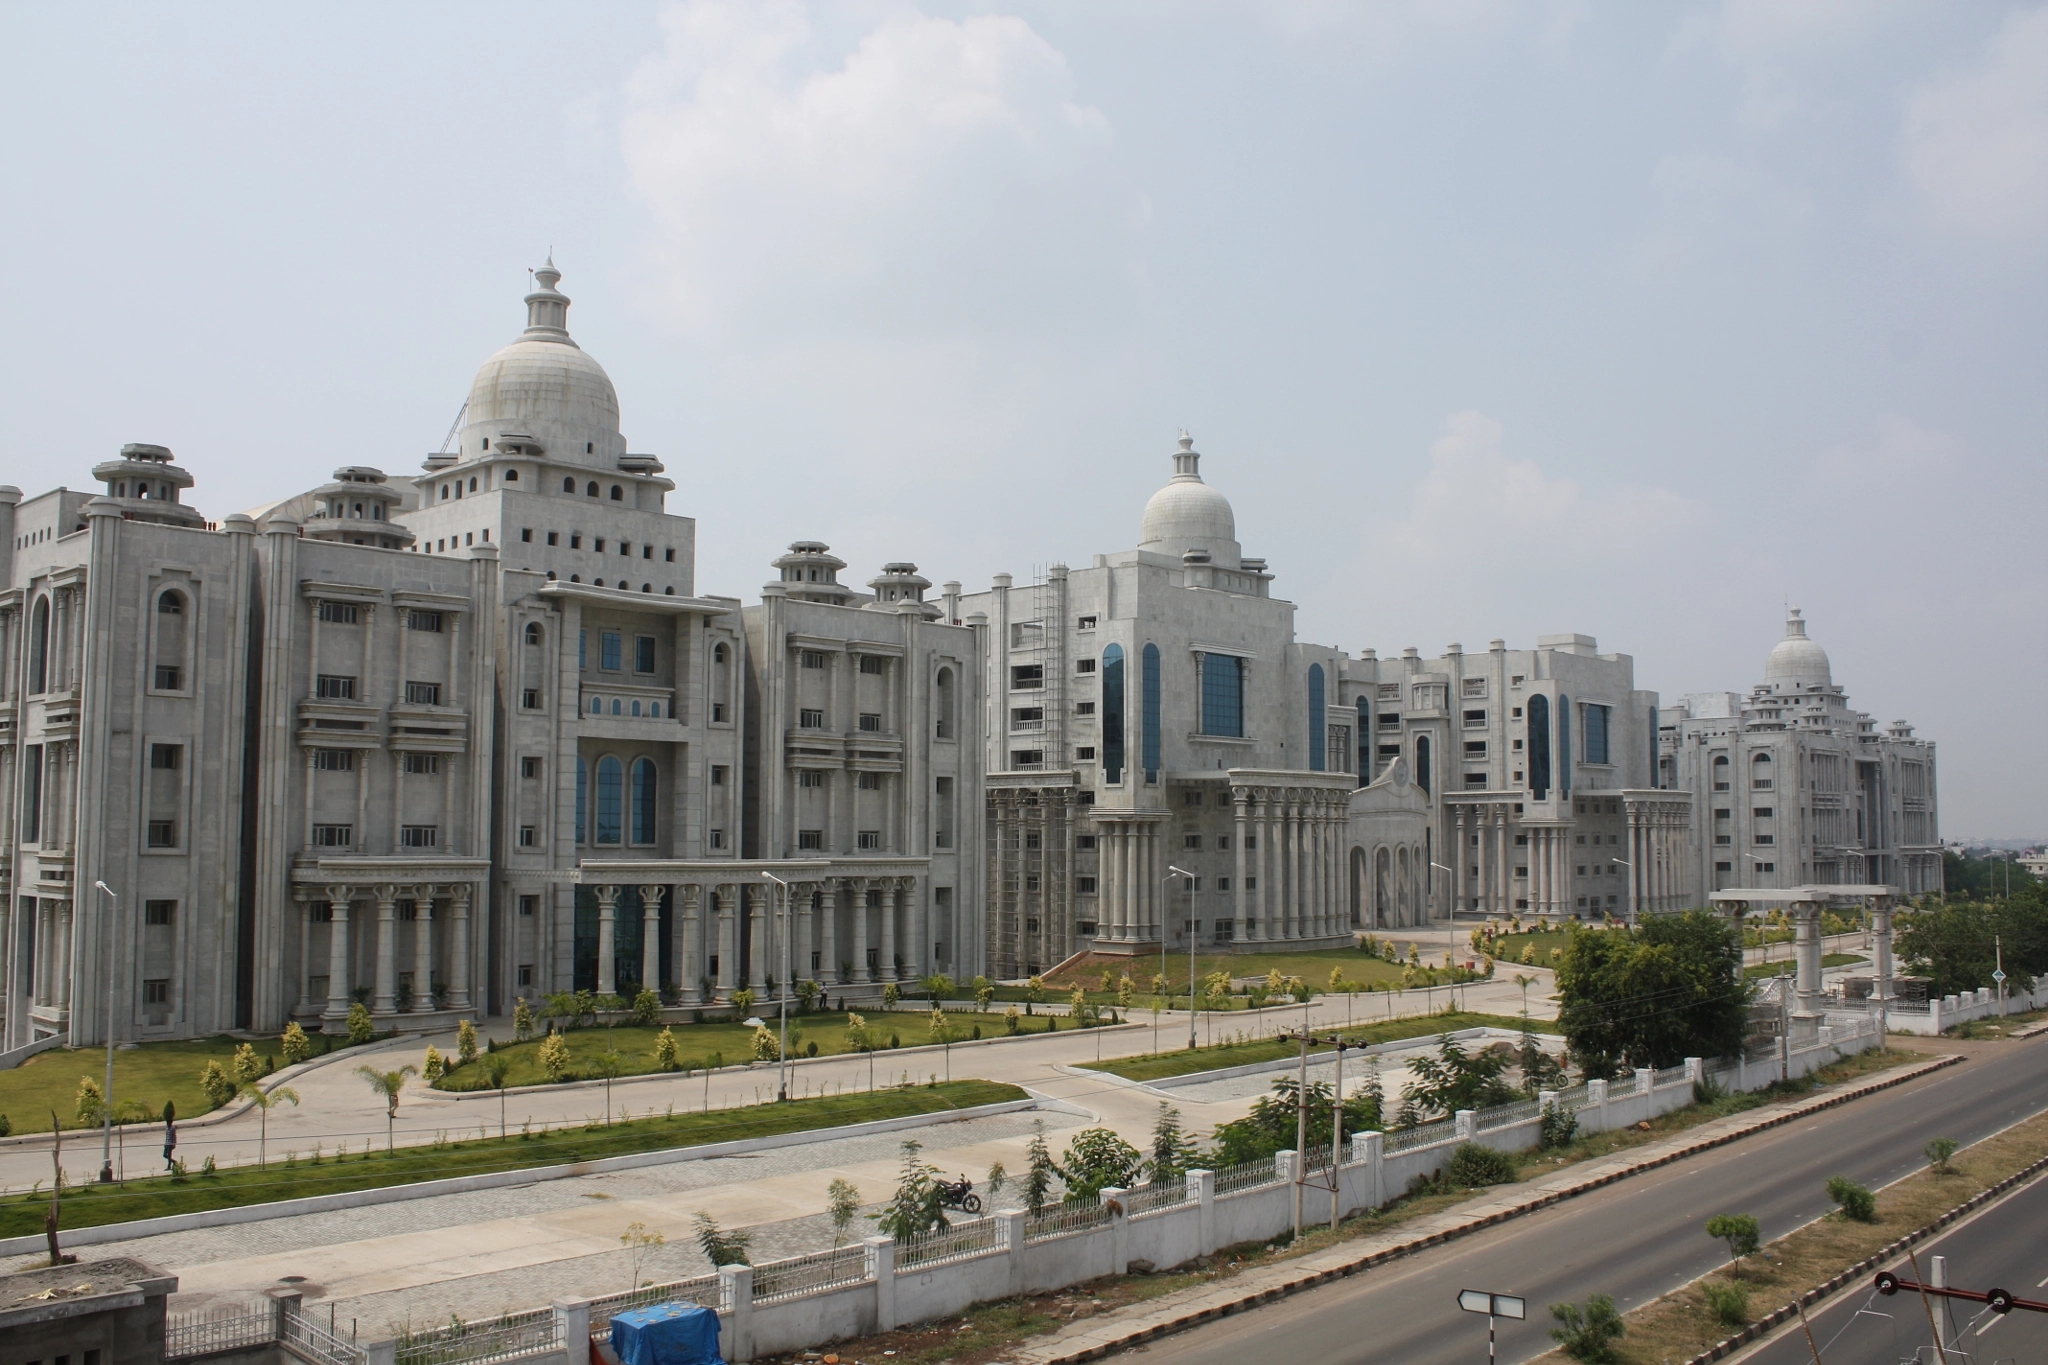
<point x="1187" y="460"/>
<point x="547" y="309"/>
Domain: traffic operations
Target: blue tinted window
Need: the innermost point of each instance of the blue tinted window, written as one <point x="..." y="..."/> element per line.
<point x="1318" y="753"/>
<point x="1222" y="695"/>
<point x="1596" y="734"/>
<point x="582" y="797"/>
<point x="583" y="649"/>
<point x="610" y="649"/>
<point x="611" y="799"/>
<point x="1564" y="745"/>
<point x="643" y="654"/>
<point x="1113" y="714"/>
<point x="643" y="801"/>
<point x="1364" y="741"/>
<point x="1149" y="663"/>
<point x="1539" y="746"/>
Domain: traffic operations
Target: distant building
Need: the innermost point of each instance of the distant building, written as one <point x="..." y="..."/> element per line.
<point x="1793" y="787"/>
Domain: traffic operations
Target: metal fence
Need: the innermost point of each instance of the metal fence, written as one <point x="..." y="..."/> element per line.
<point x="950" y="1244"/>
<point x="195" y="1334"/>
<point x="1670" y="1075"/>
<point x="705" y="1290"/>
<point x="819" y="1270"/>
<point x="1507" y="1115"/>
<point x="1574" y="1096"/>
<point x="1246" y="1175"/>
<point x="1154" y="1197"/>
<point x="1620" y="1088"/>
<point x="1058" y="1222"/>
<point x="1428" y="1135"/>
<point x="503" y="1338"/>
<point x="316" y="1343"/>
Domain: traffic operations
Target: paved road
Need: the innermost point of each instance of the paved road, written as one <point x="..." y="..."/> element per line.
<point x="1636" y="1240"/>
<point x="2001" y="1248"/>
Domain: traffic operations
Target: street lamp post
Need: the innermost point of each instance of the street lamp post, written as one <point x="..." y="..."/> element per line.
<point x="1631" y="899"/>
<point x="107" y="1101"/>
<point x="1164" y="882"/>
<point x="783" y="1063"/>
<point x="1450" y="930"/>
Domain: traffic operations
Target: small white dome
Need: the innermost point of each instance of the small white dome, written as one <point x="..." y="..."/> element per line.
<point x="1188" y="514"/>
<point x="546" y="387"/>
<point x="1797" y="661"/>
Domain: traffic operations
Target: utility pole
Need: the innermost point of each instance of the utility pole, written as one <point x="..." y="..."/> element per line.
<point x="1300" y="1133"/>
<point x="107" y="1100"/>
<point x="783" y="1063"/>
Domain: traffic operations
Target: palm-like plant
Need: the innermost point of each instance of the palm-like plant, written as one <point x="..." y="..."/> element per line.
<point x="389" y="1085"/>
<point x="265" y="1101"/>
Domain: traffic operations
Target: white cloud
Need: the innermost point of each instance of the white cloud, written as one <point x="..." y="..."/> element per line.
<point x="942" y="179"/>
<point x="1975" y="141"/>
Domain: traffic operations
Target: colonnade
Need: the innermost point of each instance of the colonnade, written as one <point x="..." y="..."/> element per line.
<point x="1031" y="905"/>
<point x="1131" y="864"/>
<point x="1288" y="873"/>
<point x="390" y="904"/>
<point x="1483" y="873"/>
<point x="1659" y="832"/>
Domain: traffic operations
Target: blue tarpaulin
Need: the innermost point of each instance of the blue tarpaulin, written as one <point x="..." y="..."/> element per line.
<point x="667" y="1334"/>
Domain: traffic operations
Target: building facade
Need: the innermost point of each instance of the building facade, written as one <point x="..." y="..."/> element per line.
<point x="1794" y="788"/>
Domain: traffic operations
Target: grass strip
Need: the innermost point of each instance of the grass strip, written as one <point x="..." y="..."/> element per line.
<point x="93" y="1205"/>
<point x="1189" y="1061"/>
<point x="1784" y="967"/>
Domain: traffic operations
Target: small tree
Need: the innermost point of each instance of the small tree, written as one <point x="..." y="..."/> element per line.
<point x="940" y="986"/>
<point x="638" y="1241"/>
<point x="1858" y="1204"/>
<point x="609" y="1064"/>
<point x="1126" y="991"/>
<point x="247" y="1066"/>
<point x="858" y="1039"/>
<point x="90" y="1102"/>
<point x="265" y="1101"/>
<point x="554" y="1057"/>
<point x="719" y="1246"/>
<point x="1097" y="1159"/>
<point x="1336" y="979"/>
<point x="216" y="1085"/>
<point x="1034" y="993"/>
<point x="918" y="1205"/>
<point x="1012" y="1023"/>
<point x="522" y="1020"/>
<point x="647" y="1007"/>
<point x="998" y="1176"/>
<point x="295" y="1045"/>
<point x="807" y="996"/>
<point x="891" y="996"/>
<point x="984" y="992"/>
<point x="766" y="1049"/>
<point x="360" y="1029"/>
<point x="742" y="1000"/>
<point x="433" y="1067"/>
<point x="1588" y="1336"/>
<point x="1173" y="1149"/>
<point x="1938" y="1154"/>
<point x="495" y="1067"/>
<point x="665" y="1049"/>
<point x="465" y="1041"/>
<point x="1740" y="1231"/>
<point x="389" y="1085"/>
<point x="1039" y="1175"/>
<point x="842" y="1201"/>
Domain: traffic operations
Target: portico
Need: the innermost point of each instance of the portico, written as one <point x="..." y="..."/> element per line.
<point x="1804" y="904"/>
<point x="395" y="933"/>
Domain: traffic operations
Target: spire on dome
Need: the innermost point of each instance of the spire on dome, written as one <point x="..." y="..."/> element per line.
<point x="1187" y="460"/>
<point x="547" y="309"/>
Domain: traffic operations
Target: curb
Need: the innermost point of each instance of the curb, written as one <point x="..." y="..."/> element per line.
<point x="1138" y="1336"/>
<point x="1773" y="1320"/>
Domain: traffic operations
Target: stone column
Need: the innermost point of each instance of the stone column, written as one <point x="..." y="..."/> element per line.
<point x="299" y="894"/>
<point x="1806" y="930"/>
<point x="459" y="896"/>
<point x="1458" y="864"/>
<point x="917" y="924"/>
<point x="385" y="998"/>
<point x="751" y="897"/>
<point x="728" y="937"/>
<point x="1635" y="859"/>
<point x="422" y="949"/>
<point x="338" y="985"/>
<point x="692" y="969"/>
<point x="829" y="911"/>
<point x="650" y="938"/>
<point x="893" y="898"/>
<point x="802" y="894"/>
<point x="1881" y="944"/>
<point x="607" y="940"/>
<point x="861" y="973"/>
<point x="1296" y="899"/>
<point x="1240" y="811"/>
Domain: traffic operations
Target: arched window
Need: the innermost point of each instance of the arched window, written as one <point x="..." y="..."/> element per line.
<point x="1318" y="721"/>
<point x="170" y="604"/>
<point x="568" y="485"/>
<point x="636" y="708"/>
<point x="169" y="672"/>
<point x="511" y="476"/>
<point x="1364" y="741"/>
<point x="582" y="797"/>
<point x="647" y="587"/>
<point x="597" y="706"/>
<point x="533" y="632"/>
<point x="39" y="647"/>
<point x="575" y="578"/>
<point x="591" y="490"/>
<point x="1149" y="665"/>
<point x="617" y="493"/>
<point x="611" y="799"/>
<point x="1113" y="713"/>
<point x="643" y="800"/>
<point x="472" y="483"/>
<point x="718" y="654"/>
<point x="444" y="492"/>
<point x="1564" y="745"/>
<point x="669" y="591"/>
<point x="1539" y="746"/>
<point x="654" y="709"/>
<point x="1422" y="773"/>
<point x="615" y="707"/>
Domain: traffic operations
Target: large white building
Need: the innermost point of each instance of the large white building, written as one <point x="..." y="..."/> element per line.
<point x="435" y="743"/>
<point x="1793" y="788"/>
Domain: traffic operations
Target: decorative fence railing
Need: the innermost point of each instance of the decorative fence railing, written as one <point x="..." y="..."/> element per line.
<point x="1507" y="1115"/>
<point x="1152" y="1198"/>
<point x="1408" y="1139"/>
<point x="312" y="1340"/>
<point x="1623" y="1087"/>
<point x="486" y="1339"/>
<point x="950" y="1244"/>
<point x="808" y="1274"/>
<point x="1670" y="1075"/>
<point x="1068" y="1218"/>
<point x="1246" y="1175"/>
<point x="1574" y="1096"/>
<point x="706" y="1290"/>
<point x="196" y="1334"/>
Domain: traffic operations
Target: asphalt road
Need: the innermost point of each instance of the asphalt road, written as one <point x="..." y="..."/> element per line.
<point x="2001" y="1248"/>
<point x="1635" y="1240"/>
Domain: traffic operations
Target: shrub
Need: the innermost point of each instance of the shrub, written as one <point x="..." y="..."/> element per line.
<point x="1739" y="1231"/>
<point x="1560" y="1126"/>
<point x="1707" y="1090"/>
<point x="360" y="1029"/>
<point x="1096" y="1159"/>
<point x="719" y="1246"/>
<point x="665" y="1050"/>
<point x="1588" y="1336"/>
<point x="247" y="1065"/>
<point x="91" y="1101"/>
<point x="647" y="1008"/>
<point x="433" y="1068"/>
<point x="1012" y="1025"/>
<point x="6" y="1128"/>
<point x="295" y="1045"/>
<point x="811" y="1049"/>
<point x="554" y="1056"/>
<point x="1939" y="1152"/>
<point x="765" y="1047"/>
<point x="1858" y="1203"/>
<point x="465" y="1041"/>
<point x="214" y="1081"/>
<point x="1728" y="1302"/>
<point x="895" y="1040"/>
<point x="522" y="1020"/>
<point x="1475" y="1164"/>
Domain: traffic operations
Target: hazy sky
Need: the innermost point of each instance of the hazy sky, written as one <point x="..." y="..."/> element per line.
<point x="1631" y="319"/>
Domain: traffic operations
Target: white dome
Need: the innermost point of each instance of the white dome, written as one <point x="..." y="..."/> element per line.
<point x="1797" y="661"/>
<point x="1188" y="514"/>
<point x="546" y="387"/>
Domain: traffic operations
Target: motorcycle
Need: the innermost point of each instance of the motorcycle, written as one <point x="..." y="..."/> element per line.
<point x="959" y="1195"/>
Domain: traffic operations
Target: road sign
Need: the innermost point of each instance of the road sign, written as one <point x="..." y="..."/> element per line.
<point x="1999" y="975"/>
<point x="1493" y="1305"/>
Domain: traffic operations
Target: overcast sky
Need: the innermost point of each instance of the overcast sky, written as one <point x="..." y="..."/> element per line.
<point x="1493" y="320"/>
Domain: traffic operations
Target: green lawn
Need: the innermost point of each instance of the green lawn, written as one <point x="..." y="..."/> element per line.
<point x="92" y="1205"/>
<point x="1785" y="968"/>
<point x="149" y="1074"/>
<point x="1188" y="1061"/>
<point x="1312" y="967"/>
<point x="699" y="1045"/>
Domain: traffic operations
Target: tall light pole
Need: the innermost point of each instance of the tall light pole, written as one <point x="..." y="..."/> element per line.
<point x="783" y="1063"/>
<point x="107" y="1101"/>
<point x="1450" y="932"/>
<point x="1164" y="883"/>
<point x="1631" y="900"/>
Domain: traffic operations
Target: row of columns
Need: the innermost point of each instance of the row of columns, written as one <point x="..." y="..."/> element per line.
<point x="1130" y="865"/>
<point x="51" y="987"/>
<point x="1031" y="836"/>
<point x="1482" y="875"/>
<point x="1658" y="833"/>
<point x="386" y="898"/>
<point x="1290" y="845"/>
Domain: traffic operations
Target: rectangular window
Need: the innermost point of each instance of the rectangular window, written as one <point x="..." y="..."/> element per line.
<point x="669" y="556"/>
<point x="338" y="613"/>
<point x="423" y="765"/>
<point x="1084" y="665"/>
<point x="529" y="837"/>
<point x="598" y="544"/>
<point x="31" y="793"/>
<point x="526" y="534"/>
<point x="1222" y="694"/>
<point x="1763" y="839"/>
<point x="1390" y="751"/>
<point x="334" y="836"/>
<point x="159" y="912"/>
<point x="529" y="766"/>
<point x="647" y="552"/>
<point x="1027" y="717"/>
<point x="810" y="777"/>
<point x="810" y="838"/>
<point x="811" y="658"/>
<point x="1767" y="867"/>
<point x="1027" y="677"/>
<point x="717" y="840"/>
<point x="1084" y="708"/>
<point x="529" y="906"/>
<point x="871" y="721"/>
<point x="169" y="678"/>
<point x="626" y="548"/>
<point x="529" y="699"/>
<point x="718" y="771"/>
<point x="1084" y="841"/>
<point x="1084" y="886"/>
<point x="423" y="620"/>
<point x="1473" y="687"/>
<point x="1389" y="721"/>
<point x="1085" y="754"/>
<point x="870" y="782"/>
<point x="575" y="541"/>
<point x="1191" y="798"/>
<point x="419" y="836"/>
<point x="525" y="974"/>
<point x="1475" y="720"/>
<point x="1033" y="839"/>
<point x="165" y="756"/>
<point x="1388" y="692"/>
<point x="155" y="991"/>
<point x="1027" y="758"/>
<point x="163" y="834"/>
<point x="334" y="760"/>
<point x="868" y="839"/>
<point x="643" y="653"/>
<point x="1475" y="780"/>
<point x="1084" y="623"/>
<point x="611" y="651"/>
<point x="1724" y="838"/>
<point x="810" y="719"/>
<point x="1190" y="841"/>
<point x="333" y="687"/>
<point x="1761" y="812"/>
<point x="422" y="694"/>
<point x="1761" y="784"/>
<point x="1596" y="734"/>
<point x="872" y="664"/>
<point x="1475" y="748"/>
